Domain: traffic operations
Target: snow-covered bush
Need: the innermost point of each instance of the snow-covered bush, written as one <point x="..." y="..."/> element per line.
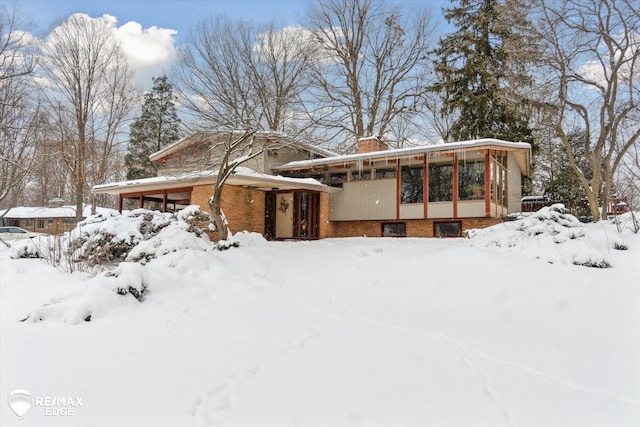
<point x="552" y="235"/>
<point x="138" y="235"/>
<point x="24" y="248"/>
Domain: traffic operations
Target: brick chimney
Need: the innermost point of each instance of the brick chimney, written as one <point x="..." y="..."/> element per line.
<point x="371" y="143"/>
<point x="55" y="203"/>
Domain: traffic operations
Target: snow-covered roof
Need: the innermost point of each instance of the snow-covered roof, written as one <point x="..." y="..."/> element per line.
<point x="242" y="177"/>
<point x="27" y="212"/>
<point x="404" y="152"/>
<point x="197" y="137"/>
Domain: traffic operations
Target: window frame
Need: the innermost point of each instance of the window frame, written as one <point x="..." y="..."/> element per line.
<point x="385" y="233"/>
<point x="419" y="185"/>
<point x="446" y="235"/>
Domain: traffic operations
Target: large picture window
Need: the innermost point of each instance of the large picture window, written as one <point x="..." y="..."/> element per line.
<point x="411" y="189"/>
<point x="471" y="180"/>
<point x="440" y="183"/>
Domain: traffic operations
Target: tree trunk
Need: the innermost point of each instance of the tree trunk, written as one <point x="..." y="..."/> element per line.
<point x="218" y="219"/>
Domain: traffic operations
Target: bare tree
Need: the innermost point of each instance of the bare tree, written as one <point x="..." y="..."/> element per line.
<point x="240" y="78"/>
<point x="628" y="181"/>
<point x="90" y="95"/>
<point x="16" y="49"/>
<point x="590" y="73"/>
<point x="236" y="73"/>
<point x="50" y="177"/>
<point x="235" y="150"/>
<point x="19" y="109"/>
<point x="371" y="67"/>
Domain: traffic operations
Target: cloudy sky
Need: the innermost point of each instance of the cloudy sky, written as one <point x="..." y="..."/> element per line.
<point x="150" y="30"/>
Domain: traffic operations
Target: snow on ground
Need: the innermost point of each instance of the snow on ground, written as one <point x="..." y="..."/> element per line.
<point x="337" y="332"/>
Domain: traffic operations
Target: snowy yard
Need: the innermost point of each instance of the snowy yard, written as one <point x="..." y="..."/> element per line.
<point x="496" y="330"/>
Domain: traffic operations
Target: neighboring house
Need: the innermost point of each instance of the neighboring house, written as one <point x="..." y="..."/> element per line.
<point x="54" y="219"/>
<point x="295" y="191"/>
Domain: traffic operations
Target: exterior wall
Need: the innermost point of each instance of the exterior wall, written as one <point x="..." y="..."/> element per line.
<point x="415" y="227"/>
<point x="438" y="210"/>
<point x="412" y="211"/>
<point x="199" y="155"/>
<point x="243" y="207"/>
<point x="51" y="225"/>
<point x="514" y="185"/>
<point x="370" y="199"/>
<point x="326" y="227"/>
<point x="470" y="209"/>
<point x="283" y="155"/>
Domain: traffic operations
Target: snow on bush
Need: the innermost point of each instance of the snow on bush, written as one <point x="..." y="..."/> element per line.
<point x="95" y="298"/>
<point x="23" y="248"/>
<point x="133" y="240"/>
<point x="552" y="235"/>
<point x="138" y="236"/>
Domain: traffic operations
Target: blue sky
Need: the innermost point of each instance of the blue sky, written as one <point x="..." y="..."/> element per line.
<point x="176" y="14"/>
<point x="150" y="31"/>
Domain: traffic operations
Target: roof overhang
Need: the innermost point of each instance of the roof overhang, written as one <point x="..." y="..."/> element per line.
<point x="213" y="137"/>
<point x="521" y="151"/>
<point x="245" y="178"/>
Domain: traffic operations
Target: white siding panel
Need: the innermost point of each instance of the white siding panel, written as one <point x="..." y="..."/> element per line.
<point x="514" y="185"/>
<point x="362" y="200"/>
<point x="440" y="210"/>
<point x="471" y="209"/>
<point x="412" y="211"/>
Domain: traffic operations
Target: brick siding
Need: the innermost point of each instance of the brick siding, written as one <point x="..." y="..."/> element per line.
<point x="415" y="227"/>
<point x="243" y="207"/>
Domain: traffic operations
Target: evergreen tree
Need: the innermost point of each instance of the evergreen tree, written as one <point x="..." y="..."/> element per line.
<point x="479" y="68"/>
<point x="563" y="184"/>
<point x="157" y="127"/>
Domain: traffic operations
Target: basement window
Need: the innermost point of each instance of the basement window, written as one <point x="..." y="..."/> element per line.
<point x="394" y="229"/>
<point x="447" y="229"/>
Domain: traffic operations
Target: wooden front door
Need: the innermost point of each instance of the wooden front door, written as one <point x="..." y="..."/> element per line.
<point x="292" y="215"/>
<point x="306" y="215"/>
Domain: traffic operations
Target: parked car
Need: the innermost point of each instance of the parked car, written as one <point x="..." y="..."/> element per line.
<point x="13" y="233"/>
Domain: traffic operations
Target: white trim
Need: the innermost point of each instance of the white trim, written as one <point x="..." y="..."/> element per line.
<point x="401" y="152"/>
<point x="242" y="177"/>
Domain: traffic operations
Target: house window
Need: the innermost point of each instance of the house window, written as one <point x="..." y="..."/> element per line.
<point x="322" y="178"/>
<point x="29" y="223"/>
<point x="412" y="185"/>
<point x="337" y="178"/>
<point x="40" y="222"/>
<point x="447" y="229"/>
<point x="360" y="175"/>
<point x="50" y="221"/>
<point x="440" y="183"/>
<point x="385" y="173"/>
<point x="68" y="221"/>
<point x="471" y="180"/>
<point x="498" y="173"/>
<point x="394" y="229"/>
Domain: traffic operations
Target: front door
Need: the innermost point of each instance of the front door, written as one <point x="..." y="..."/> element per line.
<point x="284" y="216"/>
<point x="292" y="215"/>
<point x="305" y="215"/>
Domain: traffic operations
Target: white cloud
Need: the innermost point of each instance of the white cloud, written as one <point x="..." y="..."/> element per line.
<point x="150" y="51"/>
<point x="598" y="71"/>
